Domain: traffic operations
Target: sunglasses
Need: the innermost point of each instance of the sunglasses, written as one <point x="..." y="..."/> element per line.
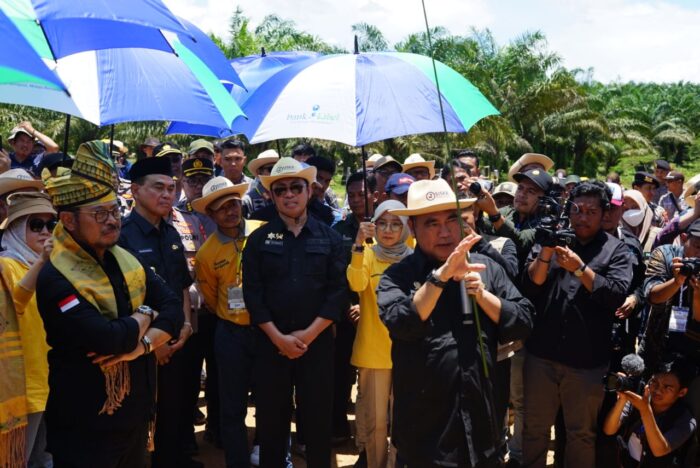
<point x="38" y="225"/>
<point x="266" y="169"/>
<point x="296" y="189"/>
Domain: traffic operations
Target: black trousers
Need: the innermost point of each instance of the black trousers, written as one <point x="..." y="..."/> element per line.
<point x="277" y="379"/>
<point x="344" y="377"/>
<point x="170" y="419"/>
<point x="104" y="449"/>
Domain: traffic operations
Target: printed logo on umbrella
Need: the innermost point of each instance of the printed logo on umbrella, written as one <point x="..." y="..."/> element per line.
<point x="315" y="116"/>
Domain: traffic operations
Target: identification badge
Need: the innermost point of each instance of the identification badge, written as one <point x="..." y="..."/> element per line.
<point x="236" y="304"/>
<point x="679" y="319"/>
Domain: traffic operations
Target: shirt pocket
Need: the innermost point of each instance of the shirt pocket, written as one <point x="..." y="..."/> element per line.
<point x="316" y="257"/>
<point x="274" y="261"/>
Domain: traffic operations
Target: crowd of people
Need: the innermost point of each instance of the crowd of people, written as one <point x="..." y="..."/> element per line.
<point x="477" y="318"/>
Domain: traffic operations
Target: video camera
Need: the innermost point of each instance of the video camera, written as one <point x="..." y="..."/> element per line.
<point x="552" y="230"/>
<point x="633" y="366"/>
<point x="690" y="267"/>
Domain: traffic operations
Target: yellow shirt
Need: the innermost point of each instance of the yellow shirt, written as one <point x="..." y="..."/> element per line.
<point x="372" y="346"/>
<point x="217" y="271"/>
<point x="32" y="335"/>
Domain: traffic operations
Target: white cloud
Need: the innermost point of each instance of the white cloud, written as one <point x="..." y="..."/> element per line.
<point x="641" y="40"/>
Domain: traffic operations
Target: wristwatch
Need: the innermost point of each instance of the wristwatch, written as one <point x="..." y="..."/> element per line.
<point x="145" y="310"/>
<point x="496" y="217"/>
<point x="579" y="273"/>
<point x="435" y="280"/>
<point x="147" y="344"/>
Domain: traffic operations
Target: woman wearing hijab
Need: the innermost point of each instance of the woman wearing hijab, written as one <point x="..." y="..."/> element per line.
<point x="371" y="352"/>
<point x="638" y="218"/>
<point x="26" y="245"/>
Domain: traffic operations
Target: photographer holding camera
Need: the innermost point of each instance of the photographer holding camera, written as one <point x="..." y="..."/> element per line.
<point x="671" y="287"/>
<point x="654" y="428"/>
<point x="576" y="290"/>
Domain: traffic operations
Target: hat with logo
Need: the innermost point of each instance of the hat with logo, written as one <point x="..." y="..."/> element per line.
<point x="617" y="198"/>
<point x="537" y="176"/>
<point x="25" y="203"/>
<point x="266" y="157"/>
<point x="416" y="160"/>
<point x="218" y="191"/>
<point x="16" y="130"/>
<point x="641" y="178"/>
<point x="431" y="196"/>
<point x="289" y="168"/>
<point x="167" y="149"/>
<point x="200" y="144"/>
<point x="197" y="166"/>
<point x="399" y="183"/>
<point x="527" y="159"/>
<point x="674" y="175"/>
<point x="16" y="179"/>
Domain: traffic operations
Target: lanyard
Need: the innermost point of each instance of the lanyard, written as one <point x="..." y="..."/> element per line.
<point x="680" y="296"/>
<point x="239" y="259"/>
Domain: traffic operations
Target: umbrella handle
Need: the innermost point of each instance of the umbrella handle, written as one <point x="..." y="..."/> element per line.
<point x="368" y="241"/>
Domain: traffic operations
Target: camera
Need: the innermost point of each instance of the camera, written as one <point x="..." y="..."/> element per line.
<point x="618" y="383"/>
<point x="475" y="189"/>
<point x="552" y="229"/>
<point x="690" y="267"/>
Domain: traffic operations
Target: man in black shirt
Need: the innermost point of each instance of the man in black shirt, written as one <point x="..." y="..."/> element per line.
<point x="89" y="296"/>
<point x="294" y="288"/>
<point x="576" y="291"/>
<point x="157" y="244"/>
<point x="444" y="411"/>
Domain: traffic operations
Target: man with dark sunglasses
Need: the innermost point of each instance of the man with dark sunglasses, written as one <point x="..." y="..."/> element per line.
<point x="257" y="196"/>
<point x="294" y="288"/>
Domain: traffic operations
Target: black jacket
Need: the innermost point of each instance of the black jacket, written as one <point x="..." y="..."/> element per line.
<point x="444" y="410"/>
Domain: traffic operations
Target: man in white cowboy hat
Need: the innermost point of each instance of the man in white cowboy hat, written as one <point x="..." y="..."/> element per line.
<point x="529" y="161"/>
<point x="418" y="168"/>
<point x="257" y="197"/>
<point x="443" y="396"/>
<point x="218" y="267"/>
<point x="294" y="288"/>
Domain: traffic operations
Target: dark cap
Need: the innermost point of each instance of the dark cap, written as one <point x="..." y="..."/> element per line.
<point x="399" y="183"/>
<point x="538" y="176"/>
<point x="641" y="178"/>
<point x="694" y="228"/>
<point x="149" y="166"/>
<point x="662" y="164"/>
<point x="198" y="166"/>
<point x="674" y="175"/>
<point x="167" y="149"/>
<point x="572" y="179"/>
<point x="150" y="141"/>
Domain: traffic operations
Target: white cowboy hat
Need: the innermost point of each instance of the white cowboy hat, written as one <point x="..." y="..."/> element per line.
<point x="266" y="157"/>
<point x="690" y="189"/>
<point x="218" y="191"/>
<point x="529" y="158"/>
<point x="416" y="160"/>
<point x="16" y="179"/>
<point x="430" y="196"/>
<point x="373" y="159"/>
<point x="289" y="168"/>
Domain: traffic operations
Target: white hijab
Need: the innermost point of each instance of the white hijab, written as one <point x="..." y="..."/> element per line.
<point x="398" y="251"/>
<point x="14" y="242"/>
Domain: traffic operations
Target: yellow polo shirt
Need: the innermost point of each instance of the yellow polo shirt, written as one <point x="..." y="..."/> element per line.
<point x="218" y="271"/>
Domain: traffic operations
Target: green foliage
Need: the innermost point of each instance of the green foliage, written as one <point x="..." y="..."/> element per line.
<point x="587" y="127"/>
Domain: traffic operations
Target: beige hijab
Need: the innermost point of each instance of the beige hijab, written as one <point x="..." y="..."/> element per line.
<point x="643" y="229"/>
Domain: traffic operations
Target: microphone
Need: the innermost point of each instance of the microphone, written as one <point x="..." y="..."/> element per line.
<point x="633" y="365"/>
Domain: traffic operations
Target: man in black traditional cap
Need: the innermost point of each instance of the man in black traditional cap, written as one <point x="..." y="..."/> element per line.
<point x="157" y="244"/>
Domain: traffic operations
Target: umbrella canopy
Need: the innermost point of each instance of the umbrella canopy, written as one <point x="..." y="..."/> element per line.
<point x="253" y="70"/>
<point x="115" y="85"/>
<point x="358" y="99"/>
<point x="19" y="62"/>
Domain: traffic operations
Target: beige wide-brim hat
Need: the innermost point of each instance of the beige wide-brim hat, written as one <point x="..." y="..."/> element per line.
<point x="373" y="159"/>
<point x="16" y="179"/>
<point x="416" y="160"/>
<point x="26" y="203"/>
<point x="506" y="188"/>
<point x="690" y="189"/>
<point x="529" y="158"/>
<point x="266" y="157"/>
<point x="289" y="168"/>
<point x="216" y="192"/>
<point x="430" y="196"/>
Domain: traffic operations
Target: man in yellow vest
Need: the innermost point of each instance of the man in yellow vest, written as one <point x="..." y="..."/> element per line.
<point x="93" y="297"/>
<point x="218" y="272"/>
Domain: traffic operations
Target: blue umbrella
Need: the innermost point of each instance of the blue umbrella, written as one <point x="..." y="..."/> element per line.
<point x="253" y="70"/>
<point x="19" y="63"/>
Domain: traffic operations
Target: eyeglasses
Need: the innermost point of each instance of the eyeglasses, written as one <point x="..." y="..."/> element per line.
<point x="393" y="227"/>
<point x="266" y="169"/>
<point x="38" y="225"/>
<point x="296" y="189"/>
<point x="196" y="181"/>
<point x="101" y="216"/>
<point x="387" y="172"/>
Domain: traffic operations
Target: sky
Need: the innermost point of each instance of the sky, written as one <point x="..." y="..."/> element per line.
<point x="622" y="40"/>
